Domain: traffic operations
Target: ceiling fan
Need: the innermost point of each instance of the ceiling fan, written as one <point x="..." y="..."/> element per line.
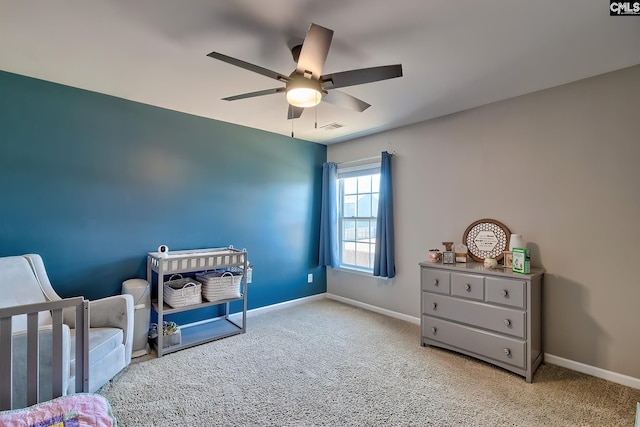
<point x="306" y="86"/>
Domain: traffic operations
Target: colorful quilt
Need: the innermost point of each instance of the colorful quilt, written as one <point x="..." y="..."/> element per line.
<point x="77" y="410"/>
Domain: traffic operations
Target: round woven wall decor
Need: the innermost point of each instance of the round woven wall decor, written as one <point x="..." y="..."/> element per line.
<point x="486" y="238"/>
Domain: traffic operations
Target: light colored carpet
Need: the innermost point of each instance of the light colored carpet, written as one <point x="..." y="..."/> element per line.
<point x="327" y="363"/>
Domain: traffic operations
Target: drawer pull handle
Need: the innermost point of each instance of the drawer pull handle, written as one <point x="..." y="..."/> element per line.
<point x="435" y="305"/>
<point x="507" y="322"/>
<point x="435" y="282"/>
<point x="467" y="287"/>
<point x="505" y="293"/>
<point x="507" y="351"/>
<point x="434" y="330"/>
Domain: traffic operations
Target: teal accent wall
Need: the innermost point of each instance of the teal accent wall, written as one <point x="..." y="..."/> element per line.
<point x="94" y="182"/>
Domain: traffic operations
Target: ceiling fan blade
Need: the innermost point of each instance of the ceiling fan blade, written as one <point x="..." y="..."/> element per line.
<point x="253" y="94"/>
<point x="345" y="100"/>
<point x="249" y="66"/>
<point x="294" y="112"/>
<point x="314" y="51"/>
<point x="361" y="76"/>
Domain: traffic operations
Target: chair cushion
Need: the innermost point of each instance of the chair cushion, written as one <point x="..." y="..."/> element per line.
<point x="102" y="341"/>
<point x="19" y="286"/>
<point x="106" y="356"/>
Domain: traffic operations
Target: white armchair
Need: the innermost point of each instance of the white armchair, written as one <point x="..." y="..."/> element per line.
<point x="23" y="280"/>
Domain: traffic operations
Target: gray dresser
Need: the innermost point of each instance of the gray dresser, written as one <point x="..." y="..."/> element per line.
<point x="491" y="314"/>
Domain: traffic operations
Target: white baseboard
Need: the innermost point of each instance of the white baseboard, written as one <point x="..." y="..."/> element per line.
<point x="592" y="370"/>
<point x="284" y="304"/>
<point x="278" y="306"/>
<point x="394" y="314"/>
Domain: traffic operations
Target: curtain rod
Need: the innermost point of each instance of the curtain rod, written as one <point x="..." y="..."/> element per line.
<point x="393" y="153"/>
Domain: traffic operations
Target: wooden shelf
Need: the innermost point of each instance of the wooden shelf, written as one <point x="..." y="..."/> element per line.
<point x="209" y="330"/>
<point x="167" y="309"/>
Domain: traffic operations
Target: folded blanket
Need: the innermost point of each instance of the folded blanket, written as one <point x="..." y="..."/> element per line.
<point x="76" y="410"/>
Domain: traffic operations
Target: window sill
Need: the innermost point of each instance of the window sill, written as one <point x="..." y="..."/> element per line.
<point x="358" y="272"/>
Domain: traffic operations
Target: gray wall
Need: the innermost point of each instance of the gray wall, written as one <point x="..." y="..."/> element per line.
<point x="559" y="166"/>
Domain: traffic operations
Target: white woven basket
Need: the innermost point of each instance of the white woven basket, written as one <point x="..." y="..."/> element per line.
<point x="181" y="291"/>
<point x="218" y="286"/>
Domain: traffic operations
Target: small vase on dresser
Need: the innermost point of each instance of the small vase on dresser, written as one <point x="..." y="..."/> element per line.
<point x="515" y="241"/>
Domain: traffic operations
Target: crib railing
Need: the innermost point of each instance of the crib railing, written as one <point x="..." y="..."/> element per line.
<point x="33" y="351"/>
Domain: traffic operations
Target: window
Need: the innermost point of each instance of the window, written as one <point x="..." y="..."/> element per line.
<point x="358" y="190"/>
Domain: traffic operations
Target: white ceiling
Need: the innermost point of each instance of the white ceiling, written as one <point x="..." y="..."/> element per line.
<point x="456" y="54"/>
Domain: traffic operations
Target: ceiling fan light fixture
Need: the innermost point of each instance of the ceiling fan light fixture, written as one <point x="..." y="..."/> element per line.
<point x="303" y="92"/>
<point x="306" y="86"/>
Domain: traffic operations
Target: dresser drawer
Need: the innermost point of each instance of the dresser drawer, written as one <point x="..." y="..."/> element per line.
<point x="467" y="286"/>
<point x="502" y="349"/>
<point x="435" y="280"/>
<point x="498" y="319"/>
<point x="505" y="291"/>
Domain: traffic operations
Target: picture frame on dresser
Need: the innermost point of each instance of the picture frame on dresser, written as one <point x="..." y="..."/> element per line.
<point x="507" y="259"/>
<point x="486" y="238"/>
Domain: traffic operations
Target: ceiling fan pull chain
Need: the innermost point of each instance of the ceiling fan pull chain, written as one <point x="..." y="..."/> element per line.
<point x="292" y="128"/>
<point x="316" y="110"/>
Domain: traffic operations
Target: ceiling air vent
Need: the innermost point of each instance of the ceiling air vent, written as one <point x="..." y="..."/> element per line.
<point x="332" y="126"/>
